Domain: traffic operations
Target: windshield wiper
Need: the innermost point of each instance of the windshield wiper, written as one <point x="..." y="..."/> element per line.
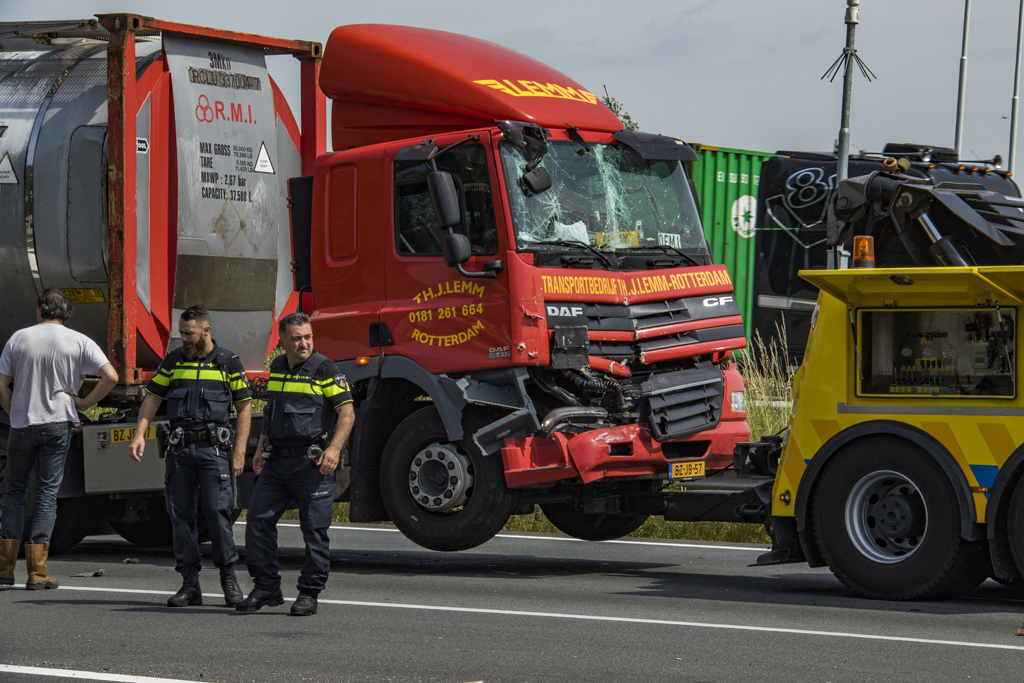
<point x="665" y="247"/>
<point x="579" y="245"/>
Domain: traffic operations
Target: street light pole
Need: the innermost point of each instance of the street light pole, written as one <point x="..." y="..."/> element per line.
<point x="1016" y="91"/>
<point x="959" y="135"/>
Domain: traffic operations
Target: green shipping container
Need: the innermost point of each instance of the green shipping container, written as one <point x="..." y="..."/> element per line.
<point x="726" y="181"/>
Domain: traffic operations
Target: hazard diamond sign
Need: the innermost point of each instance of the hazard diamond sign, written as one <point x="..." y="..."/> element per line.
<point x="263" y="163"/>
<point x="7" y="174"/>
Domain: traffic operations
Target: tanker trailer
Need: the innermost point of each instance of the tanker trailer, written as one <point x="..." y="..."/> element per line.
<point x="142" y="170"/>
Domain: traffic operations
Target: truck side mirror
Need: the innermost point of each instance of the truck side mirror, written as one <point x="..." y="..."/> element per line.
<point x="445" y="200"/>
<point x="456" y="249"/>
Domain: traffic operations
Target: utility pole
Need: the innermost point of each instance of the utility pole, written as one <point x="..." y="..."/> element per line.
<point x="958" y="137"/>
<point x="1016" y="93"/>
<point x="845" y="63"/>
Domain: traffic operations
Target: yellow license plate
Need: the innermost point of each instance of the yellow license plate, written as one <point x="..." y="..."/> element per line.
<point x="687" y="470"/>
<point x="123" y="434"/>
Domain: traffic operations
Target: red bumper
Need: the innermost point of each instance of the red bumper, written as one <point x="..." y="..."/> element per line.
<point x="618" y="452"/>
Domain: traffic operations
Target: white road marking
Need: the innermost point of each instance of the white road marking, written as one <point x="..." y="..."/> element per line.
<point x="87" y="675"/>
<point x="538" y="537"/>
<point x="594" y="617"/>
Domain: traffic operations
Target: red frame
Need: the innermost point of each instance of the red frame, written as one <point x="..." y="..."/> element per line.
<point x="124" y="95"/>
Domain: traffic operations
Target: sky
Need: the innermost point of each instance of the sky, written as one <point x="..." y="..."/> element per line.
<point x="732" y="73"/>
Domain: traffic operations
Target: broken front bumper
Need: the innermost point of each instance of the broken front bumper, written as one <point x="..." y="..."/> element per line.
<point x="623" y="451"/>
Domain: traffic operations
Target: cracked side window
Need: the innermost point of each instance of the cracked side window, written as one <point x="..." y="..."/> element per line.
<point x="417" y="232"/>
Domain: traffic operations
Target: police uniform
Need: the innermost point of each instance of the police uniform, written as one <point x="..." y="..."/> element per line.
<point x="199" y="395"/>
<point x="301" y="412"/>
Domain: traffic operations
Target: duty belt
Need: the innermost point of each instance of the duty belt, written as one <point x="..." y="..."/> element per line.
<point x="213" y="434"/>
<point x="313" y="451"/>
<point x="282" y="453"/>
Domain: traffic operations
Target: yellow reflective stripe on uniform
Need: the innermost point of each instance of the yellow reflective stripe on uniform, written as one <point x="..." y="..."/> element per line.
<point x="332" y="389"/>
<point x="238" y="385"/>
<point x="192" y="374"/>
<point x="216" y="375"/>
<point x="294" y="387"/>
<point x="162" y="379"/>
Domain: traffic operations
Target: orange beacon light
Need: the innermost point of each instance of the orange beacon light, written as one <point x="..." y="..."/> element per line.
<point x="863" y="251"/>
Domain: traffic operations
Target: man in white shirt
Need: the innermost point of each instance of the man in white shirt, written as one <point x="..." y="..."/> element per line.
<point x="47" y="363"/>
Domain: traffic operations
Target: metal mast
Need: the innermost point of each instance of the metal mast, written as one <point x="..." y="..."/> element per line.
<point x="845" y="63"/>
<point x="1016" y="92"/>
<point x="958" y="137"/>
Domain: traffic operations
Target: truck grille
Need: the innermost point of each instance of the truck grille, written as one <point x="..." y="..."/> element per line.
<point x="655" y="331"/>
<point x="677" y="404"/>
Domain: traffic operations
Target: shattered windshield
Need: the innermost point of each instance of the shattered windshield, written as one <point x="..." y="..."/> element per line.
<point x="610" y="198"/>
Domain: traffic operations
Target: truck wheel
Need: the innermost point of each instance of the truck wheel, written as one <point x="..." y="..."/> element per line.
<point x="72" y="524"/>
<point x="69" y="528"/>
<point x="887" y="521"/>
<point x="442" y="495"/>
<point x="592" y="527"/>
<point x="156" y="533"/>
<point x="1015" y="527"/>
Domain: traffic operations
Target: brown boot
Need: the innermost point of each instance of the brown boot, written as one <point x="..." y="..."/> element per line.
<point x="38" y="576"/>
<point x="8" y="558"/>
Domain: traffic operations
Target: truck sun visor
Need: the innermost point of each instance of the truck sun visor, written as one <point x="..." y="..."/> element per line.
<point x="659" y="147"/>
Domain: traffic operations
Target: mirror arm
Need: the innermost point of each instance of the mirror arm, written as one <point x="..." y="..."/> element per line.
<point x="438" y="151"/>
<point x="489" y="273"/>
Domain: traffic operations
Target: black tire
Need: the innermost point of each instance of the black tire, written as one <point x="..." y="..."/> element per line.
<point x="915" y="551"/>
<point x="489" y="503"/>
<point x="1015" y="527"/>
<point x="73" y="514"/>
<point x="569" y="520"/>
<point x="74" y="517"/>
<point x="156" y="533"/>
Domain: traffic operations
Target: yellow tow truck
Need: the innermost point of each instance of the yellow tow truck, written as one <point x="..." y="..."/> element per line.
<point x="901" y="468"/>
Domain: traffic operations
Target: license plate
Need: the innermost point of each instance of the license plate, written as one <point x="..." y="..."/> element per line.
<point x="687" y="470"/>
<point x="123" y="434"/>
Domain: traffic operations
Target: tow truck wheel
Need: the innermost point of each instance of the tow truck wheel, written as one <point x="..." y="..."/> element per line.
<point x="594" y="527"/>
<point x="442" y="495"/>
<point x="887" y="521"/>
<point x="1015" y="528"/>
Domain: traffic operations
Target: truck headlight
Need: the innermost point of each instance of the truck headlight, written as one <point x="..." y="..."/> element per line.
<point x="738" y="405"/>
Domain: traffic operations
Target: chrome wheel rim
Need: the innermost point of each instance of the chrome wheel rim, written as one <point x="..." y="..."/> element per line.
<point x="441" y="477"/>
<point x="886" y="517"/>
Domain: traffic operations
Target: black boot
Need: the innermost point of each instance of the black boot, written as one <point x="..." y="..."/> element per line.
<point x="190" y="593"/>
<point x="260" y="598"/>
<point x="229" y="584"/>
<point x="305" y="604"/>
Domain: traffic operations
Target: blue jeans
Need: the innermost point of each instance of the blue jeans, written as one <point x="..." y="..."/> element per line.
<point x="200" y="475"/>
<point x="44" y="447"/>
<point x="281" y="482"/>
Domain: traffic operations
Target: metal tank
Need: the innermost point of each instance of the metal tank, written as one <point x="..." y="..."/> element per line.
<point x="215" y="143"/>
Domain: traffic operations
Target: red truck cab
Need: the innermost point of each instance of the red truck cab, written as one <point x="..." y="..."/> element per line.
<point x="574" y="355"/>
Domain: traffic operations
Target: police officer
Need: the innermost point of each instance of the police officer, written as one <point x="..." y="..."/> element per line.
<point x="200" y="381"/>
<point x="306" y="422"/>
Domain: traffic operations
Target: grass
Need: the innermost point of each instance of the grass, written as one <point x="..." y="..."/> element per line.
<point x="768" y="384"/>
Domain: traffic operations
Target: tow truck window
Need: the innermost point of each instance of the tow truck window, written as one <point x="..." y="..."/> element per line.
<point x="938" y="353"/>
<point x="417" y="232"/>
<point x="610" y="198"/>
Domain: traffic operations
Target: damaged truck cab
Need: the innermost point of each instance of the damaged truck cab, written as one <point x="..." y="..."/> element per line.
<point x="518" y="290"/>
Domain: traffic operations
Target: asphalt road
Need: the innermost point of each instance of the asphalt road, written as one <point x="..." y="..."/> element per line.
<point x="520" y="608"/>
